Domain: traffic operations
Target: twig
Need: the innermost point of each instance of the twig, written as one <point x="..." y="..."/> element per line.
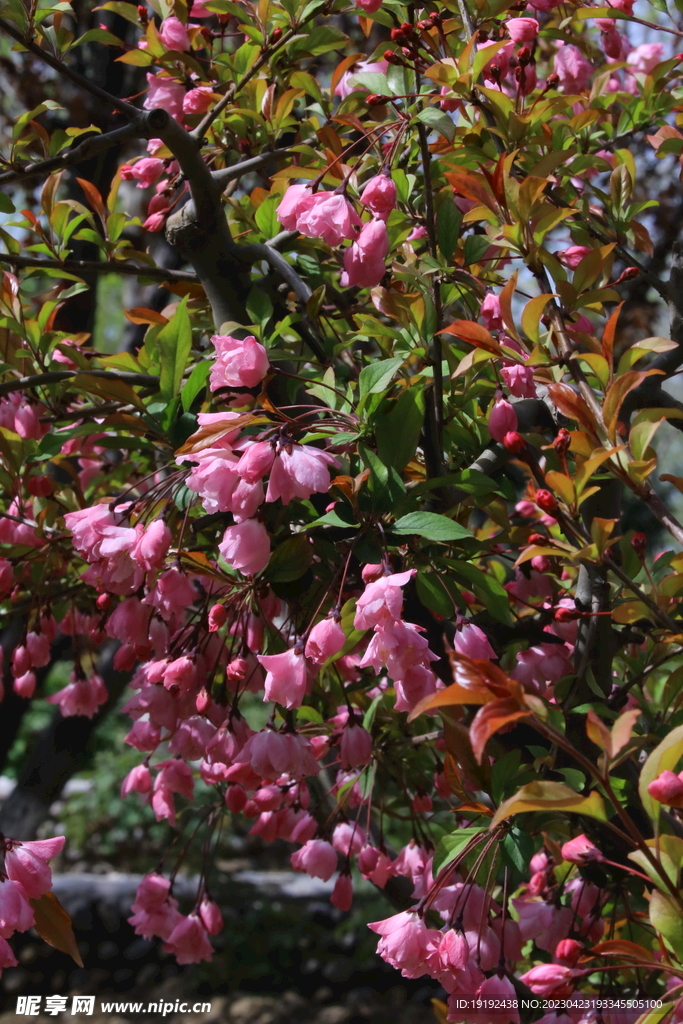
<point x="54" y="376"/>
<point x="227" y="174"/>
<point x="97" y="267"/>
<point x="73" y="156"/>
<point x="127" y="109"/>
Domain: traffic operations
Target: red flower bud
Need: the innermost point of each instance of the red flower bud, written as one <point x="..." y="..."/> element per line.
<point x="407" y="28"/>
<point x="537" y="538"/>
<point x="566" y="614"/>
<point x="103" y="601"/>
<point x="424" y="26"/>
<point x="514" y="442"/>
<point x="523" y="55"/>
<point x="639" y="544"/>
<point x="545" y="500"/>
<point x="398" y="36"/>
<point x="143" y="14"/>
<point x="373" y="100"/>
<point x="562" y="441"/>
<point x="391" y="57"/>
<point x="552" y="80"/>
<point x="276" y="35"/>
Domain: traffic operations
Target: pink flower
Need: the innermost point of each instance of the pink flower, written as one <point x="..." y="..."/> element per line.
<point x="364" y="259"/>
<point x="286" y="677"/>
<point x="471" y="641"/>
<point x="38" y="647"/>
<point x="356" y="746"/>
<point x="197" y="101"/>
<point x="152" y="547"/>
<point x="542" y="665"/>
<point x="246" y="546"/>
<point x="549" y="980"/>
<point x="272" y="754"/>
<point x="317" y="858"/>
<point x="256" y="461"/>
<point x="147" y="171"/>
<point x="210" y="916"/>
<point x="500" y="989"/>
<point x="405" y="943"/>
<point x="490" y="312"/>
<point x="240" y="362"/>
<point x="419" y="232"/>
<point x="522" y="30"/>
<point x="342" y="894"/>
<point x="382" y="601"/>
<point x="502" y="419"/>
<point x="165" y="94"/>
<point x="348" y="838"/>
<point x="642" y="59"/>
<point x="613" y="43"/>
<point x="6" y="576"/>
<point x="581" y="851"/>
<point x="16" y="914"/>
<point x="295" y="202"/>
<point x="298" y="471"/>
<point x="453" y="951"/>
<point x="379" y="195"/>
<point x="329" y="216"/>
<point x="154" y="910"/>
<point x="25" y="685"/>
<point x="519" y="380"/>
<point x="572" y="68"/>
<point x="189" y="941"/>
<point x="156" y="213"/>
<point x="667" y="788"/>
<point x="138" y="780"/>
<point x="369" y="6"/>
<point x="543" y="922"/>
<point x="375" y="866"/>
<point x="27" y="864"/>
<point x="174" y="35"/>
<point x="572" y="256"/>
<point x="80" y="696"/>
<point x="325" y="640"/>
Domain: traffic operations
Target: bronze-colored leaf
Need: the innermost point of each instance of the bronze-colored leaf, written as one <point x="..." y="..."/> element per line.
<point x="53" y="924"/>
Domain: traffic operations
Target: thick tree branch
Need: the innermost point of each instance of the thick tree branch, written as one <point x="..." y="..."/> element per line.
<point x="98" y="267"/>
<point x="228" y="174"/>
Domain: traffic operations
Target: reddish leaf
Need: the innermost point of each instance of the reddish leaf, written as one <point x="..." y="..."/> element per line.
<point x="472" y="186"/>
<point x="572" y="405"/>
<point x="141" y="315"/>
<point x="452" y="695"/>
<point x="474" y="334"/>
<point x="94" y="198"/>
<point x="622" y="947"/>
<point x="490" y="719"/>
<point x="53" y="924"/>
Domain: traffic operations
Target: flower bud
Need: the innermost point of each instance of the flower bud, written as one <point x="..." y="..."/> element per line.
<point x="514" y="442"/>
<point x="667" y="788"/>
<point x="545" y="501"/>
<point x="639" y="544"/>
<point x="217" y="617"/>
<point x="562" y="441"/>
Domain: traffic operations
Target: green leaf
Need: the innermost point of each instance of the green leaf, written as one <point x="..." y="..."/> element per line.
<point x="432" y="592"/>
<point x="664" y="757"/>
<point x="475" y="247"/>
<point x="448" y="221"/>
<point x="6" y="204"/>
<point x="174" y="342"/>
<point x="290" y="560"/>
<point x="518" y="849"/>
<point x="450" y="846"/>
<point x="439" y="121"/>
<point x="398" y="425"/>
<point x="266" y="218"/>
<point x="431" y="526"/>
<point x="375" y="377"/>
<point x="489" y="591"/>
<point x="195" y="382"/>
<point x="667" y="919"/>
<point x="385" y="485"/>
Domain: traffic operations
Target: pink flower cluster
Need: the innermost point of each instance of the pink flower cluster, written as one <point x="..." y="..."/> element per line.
<point x="155" y="913"/>
<point x="26" y="876"/>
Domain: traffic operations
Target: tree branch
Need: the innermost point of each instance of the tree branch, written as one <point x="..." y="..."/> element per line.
<point x="97" y="267"/>
<point x="54" y="376"/>
<point x="74" y="155"/>
<point x="227" y="174"/>
<point x="127" y="109"/>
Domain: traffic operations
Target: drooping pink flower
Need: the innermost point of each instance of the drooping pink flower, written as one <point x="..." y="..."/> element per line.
<point x="16" y="914"/>
<point x="38" y="647"/>
<point x="502" y="419"/>
<point x="174" y="35"/>
<point x="472" y="641"/>
<point x="152" y="547"/>
<point x="355" y="749"/>
<point x="27" y="864"/>
<point x="286" y="677"/>
<point x="522" y="30"/>
<point x="189" y="941"/>
<point x="240" y="362"/>
<point x="379" y="195"/>
<point x="80" y="696"/>
<point x="375" y="866"/>
<point x="519" y="380"/>
<point x="382" y="601"/>
<point x="503" y="993"/>
<point x="572" y="68"/>
<point x="348" y="838"/>
<point x="405" y="942"/>
<point x="256" y="461"/>
<point x="453" y="951"/>
<point x="155" y="912"/>
<point x="369" y="6"/>
<point x="164" y="94"/>
<point x="325" y="640"/>
<point x="364" y="259"/>
<point x="329" y="216"/>
<point x="272" y="754"/>
<point x="197" y="101"/>
<point x="299" y="471"/>
<point x="543" y="922"/>
<point x="296" y="200"/>
<point x="490" y="312"/>
<point x="552" y="980"/>
<point x="246" y="546"/>
<point x="25" y="685"/>
<point x="138" y="780"/>
<point x="572" y="256"/>
<point x="317" y="858"/>
<point x="158" y="207"/>
<point x="581" y="851"/>
<point x="342" y="894"/>
<point x="147" y="171"/>
<point x="210" y="916"/>
<point x="667" y="788"/>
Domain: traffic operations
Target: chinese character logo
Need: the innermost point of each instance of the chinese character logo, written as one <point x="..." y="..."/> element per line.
<point x="83" y="1004"/>
<point x="28" y="1005"/>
